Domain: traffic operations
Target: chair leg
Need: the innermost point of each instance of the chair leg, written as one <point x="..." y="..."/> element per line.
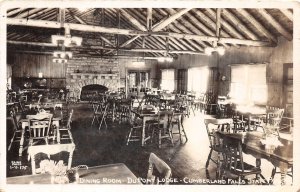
<point x="129" y="135"/>
<point x="11" y="141"/>
<point x="208" y="158"/>
<point x="159" y="138"/>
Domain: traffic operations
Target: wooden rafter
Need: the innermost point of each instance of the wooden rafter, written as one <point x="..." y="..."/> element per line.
<point x="108" y="48"/>
<point x="179" y="27"/>
<point x="287" y="13"/>
<point x="149" y="18"/>
<point x="133" y="21"/>
<point x="226" y="26"/>
<point x="275" y="24"/>
<point x="130" y="40"/>
<point x="10" y="13"/>
<point x="257" y="25"/>
<point x="85" y="23"/>
<point x="239" y="25"/>
<point x="28" y="13"/>
<point x="158" y="41"/>
<point x="162" y="24"/>
<point x="93" y="28"/>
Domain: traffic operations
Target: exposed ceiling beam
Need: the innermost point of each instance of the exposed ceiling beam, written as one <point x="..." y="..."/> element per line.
<point x="81" y="21"/>
<point x="13" y="12"/>
<point x="218" y="25"/>
<point x="239" y="25"/>
<point x="226" y="26"/>
<point x="257" y="25"/>
<point x="39" y="13"/>
<point x="26" y="14"/>
<point x="93" y="28"/>
<point x="191" y="26"/>
<point x="109" y="48"/>
<point x="130" y="40"/>
<point x="75" y="17"/>
<point x="162" y="24"/>
<point x="275" y="24"/>
<point x="133" y="21"/>
<point x="287" y="13"/>
<point x="149" y="18"/>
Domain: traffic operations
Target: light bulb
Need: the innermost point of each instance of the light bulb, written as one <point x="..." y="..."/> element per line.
<point x="221" y="50"/>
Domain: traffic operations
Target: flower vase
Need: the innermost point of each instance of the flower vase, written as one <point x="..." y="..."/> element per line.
<point x="59" y="179"/>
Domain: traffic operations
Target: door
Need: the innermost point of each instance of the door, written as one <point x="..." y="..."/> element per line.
<point x="288" y="89"/>
<point x="138" y="82"/>
<point x="182" y="80"/>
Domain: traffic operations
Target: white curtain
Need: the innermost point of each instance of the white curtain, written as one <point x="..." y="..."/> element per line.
<point x="198" y="79"/>
<point x="168" y="79"/>
<point x="248" y="84"/>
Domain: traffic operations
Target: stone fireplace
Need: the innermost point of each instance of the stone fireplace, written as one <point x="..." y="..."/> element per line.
<point x="91" y="71"/>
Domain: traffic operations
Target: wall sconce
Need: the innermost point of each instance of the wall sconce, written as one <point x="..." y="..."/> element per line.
<point x="40" y="75"/>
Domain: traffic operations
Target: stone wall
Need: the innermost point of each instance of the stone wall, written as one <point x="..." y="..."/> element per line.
<point x="87" y="70"/>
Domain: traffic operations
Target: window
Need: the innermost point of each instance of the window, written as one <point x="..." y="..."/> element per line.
<point x="248" y="84"/>
<point x="198" y="79"/>
<point x="167" y="79"/>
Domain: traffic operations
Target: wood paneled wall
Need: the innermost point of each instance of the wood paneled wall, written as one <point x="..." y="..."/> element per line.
<point x="275" y="57"/>
<point x="30" y="65"/>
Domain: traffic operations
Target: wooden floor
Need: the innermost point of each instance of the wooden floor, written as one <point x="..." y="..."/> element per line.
<point x="94" y="147"/>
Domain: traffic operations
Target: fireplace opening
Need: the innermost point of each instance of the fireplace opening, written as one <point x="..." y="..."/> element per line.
<point x="91" y="91"/>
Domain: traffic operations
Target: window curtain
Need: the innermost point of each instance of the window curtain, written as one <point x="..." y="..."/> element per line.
<point x="248" y="84"/>
<point x="168" y="79"/>
<point x="198" y="79"/>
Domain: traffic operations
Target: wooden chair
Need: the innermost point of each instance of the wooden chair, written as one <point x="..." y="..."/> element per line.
<point x="135" y="133"/>
<point x="17" y="130"/>
<point x="214" y="143"/>
<point x="161" y="126"/>
<point x="162" y="169"/>
<point x="233" y="165"/>
<point x="39" y="127"/>
<point x="65" y="130"/>
<point x="273" y="120"/>
<point x="49" y="150"/>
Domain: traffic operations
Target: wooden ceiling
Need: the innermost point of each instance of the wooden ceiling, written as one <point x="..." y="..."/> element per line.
<point x="149" y="32"/>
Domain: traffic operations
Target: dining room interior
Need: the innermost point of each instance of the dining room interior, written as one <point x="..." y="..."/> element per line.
<point x="175" y="96"/>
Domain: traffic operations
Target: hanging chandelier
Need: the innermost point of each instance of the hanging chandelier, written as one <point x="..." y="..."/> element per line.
<point x="63" y="40"/>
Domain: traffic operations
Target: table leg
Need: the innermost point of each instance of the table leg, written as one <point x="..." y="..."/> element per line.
<point x="56" y="123"/>
<point x="33" y="164"/>
<point x="283" y="173"/>
<point x="143" y="131"/>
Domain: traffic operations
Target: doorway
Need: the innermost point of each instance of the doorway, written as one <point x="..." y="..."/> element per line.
<point x="138" y="82"/>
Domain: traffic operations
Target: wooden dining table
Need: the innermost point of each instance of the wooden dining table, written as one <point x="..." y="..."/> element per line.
<point x="152" y="115"/>
<point x="281" y="156"/>
<point x="104" y="174"/>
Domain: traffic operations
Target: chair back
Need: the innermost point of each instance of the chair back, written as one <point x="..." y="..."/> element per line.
<point x="39" y="125"/>
<point x="274" y="117"/>
<point x="165" y="115"/>
<point x="232" y="153"/>
<point x="211" y="133"/>
<point x="162" y="168"/>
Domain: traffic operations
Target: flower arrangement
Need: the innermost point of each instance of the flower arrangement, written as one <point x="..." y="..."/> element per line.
<point x="52" y="167"/>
